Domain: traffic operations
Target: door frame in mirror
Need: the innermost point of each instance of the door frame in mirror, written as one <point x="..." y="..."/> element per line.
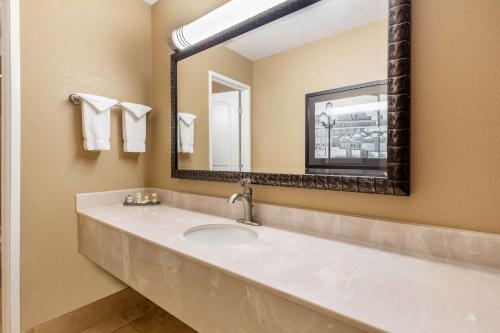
<point x="245" y="116"/>
<point x="397" y="181"/>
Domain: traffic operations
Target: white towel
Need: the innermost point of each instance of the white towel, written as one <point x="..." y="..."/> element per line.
<point x="134" y="127"/>
<point x="185" y="142"/>
<point x="96" y="121"/>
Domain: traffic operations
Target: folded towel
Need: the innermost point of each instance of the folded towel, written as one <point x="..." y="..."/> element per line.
<point x="96" y="121"/>
<point x="134" y="127"/>
<point x="185" y="142"/>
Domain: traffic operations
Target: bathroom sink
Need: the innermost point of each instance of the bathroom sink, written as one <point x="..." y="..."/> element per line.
<point x="220" y="234"/>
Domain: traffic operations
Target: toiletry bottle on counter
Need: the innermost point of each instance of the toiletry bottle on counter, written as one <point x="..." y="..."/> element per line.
<point x="154" y="198"/>
<point x="138" y="198"/>
<point x="146" y="198"/>
<point x="129" y="199"/>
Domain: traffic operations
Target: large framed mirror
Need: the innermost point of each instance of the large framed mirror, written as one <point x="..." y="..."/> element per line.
<point x="297" y="93"/>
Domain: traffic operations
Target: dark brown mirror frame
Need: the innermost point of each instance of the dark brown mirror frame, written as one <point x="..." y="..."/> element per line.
<point x="397" y="181"/>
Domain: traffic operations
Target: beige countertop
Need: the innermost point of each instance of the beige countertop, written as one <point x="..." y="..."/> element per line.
<point x="367" y="287"/>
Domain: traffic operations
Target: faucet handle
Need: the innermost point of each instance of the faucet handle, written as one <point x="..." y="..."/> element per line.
<point x="245" y="181"/>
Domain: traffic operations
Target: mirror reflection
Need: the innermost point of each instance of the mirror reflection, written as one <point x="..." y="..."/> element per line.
<point x="304" y="94"/>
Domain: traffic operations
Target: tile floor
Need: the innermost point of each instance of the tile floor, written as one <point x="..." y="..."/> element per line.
<point x="124" y="312"/>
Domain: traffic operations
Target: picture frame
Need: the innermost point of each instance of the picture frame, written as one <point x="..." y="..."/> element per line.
<point x="347" y="130"/>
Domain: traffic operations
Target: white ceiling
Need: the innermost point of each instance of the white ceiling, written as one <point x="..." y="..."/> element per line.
<point x="151" y="2"/>
<point x="321" y="20"/>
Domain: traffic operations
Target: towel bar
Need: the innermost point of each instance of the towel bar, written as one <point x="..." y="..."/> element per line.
<point x="75" y="99"/>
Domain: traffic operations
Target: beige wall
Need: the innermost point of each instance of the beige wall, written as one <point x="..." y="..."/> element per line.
<point x="95" y="46"/>
<point x="192" y="95"/>
<point x="455" y="141"/>
<point x="281" y="81"/>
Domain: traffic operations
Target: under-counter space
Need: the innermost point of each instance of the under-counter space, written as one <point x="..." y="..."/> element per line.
<point x="369" y="288"/>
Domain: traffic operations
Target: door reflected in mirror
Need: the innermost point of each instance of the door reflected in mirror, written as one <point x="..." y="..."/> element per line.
<point x="229" y="124"/>
<point x="306" y="93"/>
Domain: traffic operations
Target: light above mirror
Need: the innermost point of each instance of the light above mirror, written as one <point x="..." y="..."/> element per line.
<point x="222" y="18"/>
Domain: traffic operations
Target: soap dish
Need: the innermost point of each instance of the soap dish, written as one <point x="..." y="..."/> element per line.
<point x="142" y="204"/>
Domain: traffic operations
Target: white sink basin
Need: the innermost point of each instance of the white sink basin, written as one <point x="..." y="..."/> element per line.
<point x="220" y="234"/>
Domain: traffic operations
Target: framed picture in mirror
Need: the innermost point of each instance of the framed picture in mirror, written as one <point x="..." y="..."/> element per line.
<point x="346" y="129"/>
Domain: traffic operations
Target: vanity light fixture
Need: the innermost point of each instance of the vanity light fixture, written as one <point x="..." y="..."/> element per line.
<point x="218" y="20"/>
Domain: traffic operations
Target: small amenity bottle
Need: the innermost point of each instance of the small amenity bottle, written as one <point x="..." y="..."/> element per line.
<point x="129" y="199"/>
<point x="138" y="198"/>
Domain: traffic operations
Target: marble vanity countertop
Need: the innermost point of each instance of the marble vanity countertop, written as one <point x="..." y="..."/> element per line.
<point x="369" y="288"/>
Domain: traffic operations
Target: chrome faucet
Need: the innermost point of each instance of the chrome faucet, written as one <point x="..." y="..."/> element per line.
<point x="246" y="198"/>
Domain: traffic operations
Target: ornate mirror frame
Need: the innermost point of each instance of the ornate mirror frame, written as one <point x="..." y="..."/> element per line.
<point x="397" y="181"/>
